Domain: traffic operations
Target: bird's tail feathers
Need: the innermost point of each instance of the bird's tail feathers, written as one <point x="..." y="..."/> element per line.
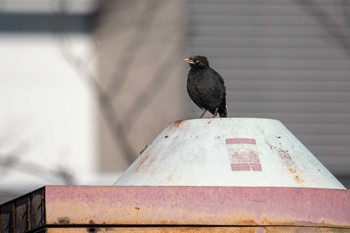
<point x="222" y="110"/>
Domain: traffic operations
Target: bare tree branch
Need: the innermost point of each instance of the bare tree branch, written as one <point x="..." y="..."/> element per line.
<point x="346" y="10"/>
<point x="153" y="87"/>
<point x="130" y="51"/>
<point x="13" y="147"/>
<point x="106" y="105"/>
<point x="331" y="27"/>
<point x="127" y="56"/>
<point x="11" y="161"/>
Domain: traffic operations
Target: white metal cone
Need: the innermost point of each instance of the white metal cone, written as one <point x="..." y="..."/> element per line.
<point x="228" y="152"/>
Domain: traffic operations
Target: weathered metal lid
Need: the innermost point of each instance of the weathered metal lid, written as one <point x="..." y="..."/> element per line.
<point x="228" y="152"/>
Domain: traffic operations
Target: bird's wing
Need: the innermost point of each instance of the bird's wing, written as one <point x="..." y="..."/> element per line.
<point x="215" y="77"/>
<point x="218" y="76"/>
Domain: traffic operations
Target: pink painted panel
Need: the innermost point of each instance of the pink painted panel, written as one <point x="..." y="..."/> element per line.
<point x="245" y="206"/>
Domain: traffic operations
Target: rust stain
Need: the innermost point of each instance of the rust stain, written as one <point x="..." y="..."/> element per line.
<point x="249" y="221"/>
<point x="146" y="164"/>
<point x="137" y="208"/>
<point x="163" y="229"/>
<point x="204" y="229"/>
<point x="328" y="225"/>
<point x="63" y="220"/>
<point x="272" y="222"/>
<point x="178" y="123"/>
<point x="265" y="220"/>
<point x="287" y="159"/>
<point x="292" y="170"/>
<point x="170" y="177"/>
<point x="297" y="178"/>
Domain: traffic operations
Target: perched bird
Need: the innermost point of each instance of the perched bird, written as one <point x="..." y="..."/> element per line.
<point x="206" y="87"/>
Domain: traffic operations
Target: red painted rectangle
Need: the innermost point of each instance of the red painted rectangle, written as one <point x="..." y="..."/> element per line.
<point x="250" y="157"/>
<point x="243" y="154"/>
<point x="240" y="141"/>
<point x="246" y="167"/>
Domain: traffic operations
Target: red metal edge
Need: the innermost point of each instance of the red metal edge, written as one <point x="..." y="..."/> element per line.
<point x="195" y="205"/>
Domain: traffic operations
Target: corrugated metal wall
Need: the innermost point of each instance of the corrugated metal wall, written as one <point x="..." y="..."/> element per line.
<point x="282" y="59"/>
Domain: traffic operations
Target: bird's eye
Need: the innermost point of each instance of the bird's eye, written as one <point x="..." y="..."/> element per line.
<point x="196" y="61"/>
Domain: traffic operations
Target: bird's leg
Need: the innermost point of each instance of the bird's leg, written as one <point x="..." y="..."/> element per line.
<point x="203" y="113"/>
<point x="215" y="113"/>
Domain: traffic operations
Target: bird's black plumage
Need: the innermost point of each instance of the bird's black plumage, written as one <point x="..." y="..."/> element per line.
<point x="206" y="87"/>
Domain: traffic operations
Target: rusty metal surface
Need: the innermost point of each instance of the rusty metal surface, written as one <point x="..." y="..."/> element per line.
<point x="244" y="206"/>
<point x="22" y="216"/>
<point x="182" y="209"/>
<point x="156" y="230"/>
<point x="200" y="229"/>
<point x="7" y="220"/>
<point x="24" y="213"/>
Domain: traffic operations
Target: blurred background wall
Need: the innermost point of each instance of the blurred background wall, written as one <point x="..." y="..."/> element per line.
<point x="48" y="131"/>
<point x="141" y="70"/>
<point x="85" y="85"/>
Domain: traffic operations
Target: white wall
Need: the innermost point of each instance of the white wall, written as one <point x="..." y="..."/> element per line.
<point x="47" y="113"/>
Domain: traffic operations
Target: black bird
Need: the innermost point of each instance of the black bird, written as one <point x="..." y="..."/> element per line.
<point x="206" y="87"/>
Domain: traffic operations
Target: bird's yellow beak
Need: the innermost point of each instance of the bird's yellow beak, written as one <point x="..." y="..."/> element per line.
<point x="189" y="60"/>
